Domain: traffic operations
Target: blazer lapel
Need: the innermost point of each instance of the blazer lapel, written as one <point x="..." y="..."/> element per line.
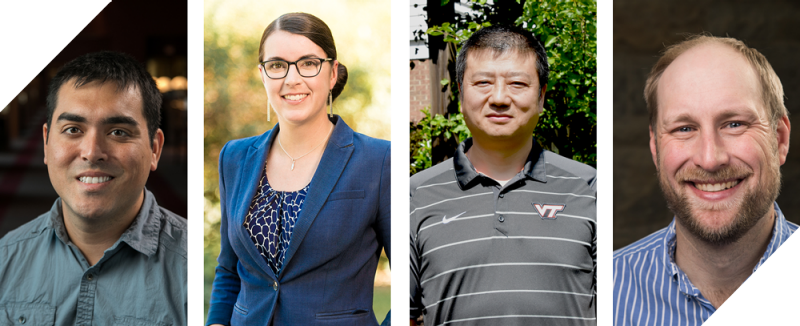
<point x="330" y="168"/>
<point x="253" y="168"/>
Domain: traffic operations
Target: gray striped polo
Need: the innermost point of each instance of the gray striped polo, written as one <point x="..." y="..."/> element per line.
<point x="520" y="254"/>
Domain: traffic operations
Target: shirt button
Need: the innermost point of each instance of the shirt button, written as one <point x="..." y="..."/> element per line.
<point x="275" y="286"/>
<point x="501" y="218"/>
<point x="502" y="195"/>
<point x="22" y="319"/>
<point x="89" y="277"/>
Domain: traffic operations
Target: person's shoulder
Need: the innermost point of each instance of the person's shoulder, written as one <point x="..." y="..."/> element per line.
<point x="242" y="144"/>
<point x="650" y="243"/>
<point x="27" y="232"/>
<point x="173" y="233"/>
<point x="437" y="173"/>
<point x="370" y="143"/>
<point x="236" y="150"/>
<point x="570" y="168"/>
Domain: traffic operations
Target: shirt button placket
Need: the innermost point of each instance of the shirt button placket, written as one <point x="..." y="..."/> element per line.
<point x="85" y="309"/>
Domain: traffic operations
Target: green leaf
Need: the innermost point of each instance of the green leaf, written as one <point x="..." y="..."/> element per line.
<point x="444" y="82"/>
<point x="550" y="40"/>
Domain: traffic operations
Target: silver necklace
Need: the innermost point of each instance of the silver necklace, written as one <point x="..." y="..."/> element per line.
<point x="301" y="156"/>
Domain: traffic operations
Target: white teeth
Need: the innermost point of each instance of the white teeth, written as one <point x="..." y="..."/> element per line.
<point x="295" y="97"/>
<point x="94" y="179"/>
<point x="714" y="187"/>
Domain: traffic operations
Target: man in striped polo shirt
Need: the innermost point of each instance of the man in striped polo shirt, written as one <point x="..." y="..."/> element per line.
<point x="504" y="232"/>
<point x="719" y="132"/>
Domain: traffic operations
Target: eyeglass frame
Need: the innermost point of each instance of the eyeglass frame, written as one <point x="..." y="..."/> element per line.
<point x="289" y="64"/>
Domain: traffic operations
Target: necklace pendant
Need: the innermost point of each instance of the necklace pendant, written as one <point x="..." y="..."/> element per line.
<point x="292" y="165"/>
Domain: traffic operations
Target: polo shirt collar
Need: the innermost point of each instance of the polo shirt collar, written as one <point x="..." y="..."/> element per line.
<point x="780" y="233"/>
<point x="141" y="235"/>
<point x="535" y="165"/>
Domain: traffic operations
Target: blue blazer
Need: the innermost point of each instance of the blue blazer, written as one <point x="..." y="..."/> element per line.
<point x="329" y="268"/>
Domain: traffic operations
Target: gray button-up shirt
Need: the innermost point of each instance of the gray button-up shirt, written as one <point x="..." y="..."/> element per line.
<point x="140" y="280"/>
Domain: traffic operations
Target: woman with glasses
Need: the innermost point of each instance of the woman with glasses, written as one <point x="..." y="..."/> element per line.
<point x="305" y="206"/>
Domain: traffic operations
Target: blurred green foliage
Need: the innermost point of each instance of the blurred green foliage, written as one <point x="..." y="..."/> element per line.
<point x="423" y="133"/>
<point x="235" y="103"/>
<point x="568" y="30"/>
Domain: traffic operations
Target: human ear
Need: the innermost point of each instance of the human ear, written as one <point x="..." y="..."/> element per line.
<point x="334" y="72"/>
<point x="783" y="131"/>
<point x="157" y="146"/>
<point x="653" y="147"/>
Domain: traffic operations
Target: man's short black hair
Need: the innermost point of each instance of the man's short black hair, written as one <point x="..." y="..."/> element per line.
<point x="107" y="66"/>
<point x="500" y="39"/>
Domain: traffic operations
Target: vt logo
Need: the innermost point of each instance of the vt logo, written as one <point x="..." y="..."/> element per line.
<point x="548" y="211"/>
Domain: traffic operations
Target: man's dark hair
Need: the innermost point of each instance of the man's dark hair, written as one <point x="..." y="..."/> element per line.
<point x="107" y="66"/>
<point x="500" y="39"/>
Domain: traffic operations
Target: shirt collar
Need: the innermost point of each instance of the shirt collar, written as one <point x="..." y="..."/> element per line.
<point x="780" y="233"/>
<point x="142" y="235"/>
<point x="535" y="167"/>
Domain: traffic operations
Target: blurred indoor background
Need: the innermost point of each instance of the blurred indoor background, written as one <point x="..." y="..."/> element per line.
<point x="236" y="104"/>
<point x="154" y="33"/>
<point x="641" y="31"/>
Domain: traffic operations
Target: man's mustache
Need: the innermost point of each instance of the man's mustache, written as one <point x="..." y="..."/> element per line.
<point x="724" y="174"/>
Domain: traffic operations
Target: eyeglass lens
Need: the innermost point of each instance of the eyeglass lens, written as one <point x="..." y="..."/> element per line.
<point x="280" y="68"/>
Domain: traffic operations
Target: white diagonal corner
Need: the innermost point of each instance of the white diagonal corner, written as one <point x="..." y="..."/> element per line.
<point x="32" y="33"/>
<point x="769" y="296"/>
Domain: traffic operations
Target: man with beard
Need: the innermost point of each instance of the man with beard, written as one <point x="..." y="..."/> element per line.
<point x="719" y="132"/>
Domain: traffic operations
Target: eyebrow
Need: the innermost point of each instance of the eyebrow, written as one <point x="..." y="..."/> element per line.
<point x="726" y="115"/>
<point x="71" y="117"/>
<point x="509" y="74"/>
<point x="115" y="120"/>
<point x="120" y="120"/>
<point x="301" y="58"/>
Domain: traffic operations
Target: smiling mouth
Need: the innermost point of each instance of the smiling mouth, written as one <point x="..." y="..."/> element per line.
<point x="295" y="97"/>
<point x="92" y="180"/>
<point x="715" y="187"/>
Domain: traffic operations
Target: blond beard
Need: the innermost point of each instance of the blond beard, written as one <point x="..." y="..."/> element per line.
<point x="751" y="208"/>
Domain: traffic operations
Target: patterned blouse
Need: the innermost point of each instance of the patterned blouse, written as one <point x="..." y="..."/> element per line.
<point x="271" y="219"/>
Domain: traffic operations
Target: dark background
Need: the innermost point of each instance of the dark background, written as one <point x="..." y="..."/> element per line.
<point x="641" y="31"/>
<point x="153" y="32"/>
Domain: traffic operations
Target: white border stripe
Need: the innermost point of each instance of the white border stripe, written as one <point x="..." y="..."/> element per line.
<point x="560" y="177"/>
<point x="504" y="238"/>
<point x="516" y="316"/>
<point x="554" y="193"/>
<point x="451" y="199"/>
<point x="559" y="215"/>
<point x="458" y="219"/>
<point x="495" y="265"/>
<point x="436" y="184"/>
<point x="507" y="291"/>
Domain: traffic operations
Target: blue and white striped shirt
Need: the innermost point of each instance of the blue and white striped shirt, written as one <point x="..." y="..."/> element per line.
<point x="650" y="289"/>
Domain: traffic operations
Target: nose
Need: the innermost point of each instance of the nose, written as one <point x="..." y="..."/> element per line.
<point x="292" y="76"/>
<point x="93" y="147"/>
<point x="711" y="153"/>
<point x="499" y="96"/>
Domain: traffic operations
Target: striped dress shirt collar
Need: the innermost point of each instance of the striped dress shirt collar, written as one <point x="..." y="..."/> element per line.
<point x="780" y="233"/>
<point x="641" y="286"/>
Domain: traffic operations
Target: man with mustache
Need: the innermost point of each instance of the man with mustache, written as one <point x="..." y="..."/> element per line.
<point x="105" y="253"/>
<point x="719" y="132"/>
<point x="504" y="233"/>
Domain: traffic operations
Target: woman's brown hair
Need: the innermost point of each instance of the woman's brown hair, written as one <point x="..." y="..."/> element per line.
<point x="315" y="30"/>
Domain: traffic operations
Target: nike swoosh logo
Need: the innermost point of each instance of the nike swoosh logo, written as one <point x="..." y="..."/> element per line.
<point x="446" y="220"/>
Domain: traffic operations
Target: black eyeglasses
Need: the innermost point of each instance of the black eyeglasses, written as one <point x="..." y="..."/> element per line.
<point x="309" y="67"/>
